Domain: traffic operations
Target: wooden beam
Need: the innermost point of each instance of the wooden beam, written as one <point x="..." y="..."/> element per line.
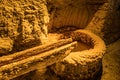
<point x="40" y="60"/>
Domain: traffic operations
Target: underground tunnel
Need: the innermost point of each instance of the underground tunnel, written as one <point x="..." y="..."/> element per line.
<point x="59" y="40"/>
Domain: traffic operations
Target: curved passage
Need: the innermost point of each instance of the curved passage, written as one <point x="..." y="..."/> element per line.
<point x="85" y="64"/>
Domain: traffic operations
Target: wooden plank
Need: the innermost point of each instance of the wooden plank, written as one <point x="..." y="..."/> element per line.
<point x="31" y="63"/>
<point x="32" y="51"/>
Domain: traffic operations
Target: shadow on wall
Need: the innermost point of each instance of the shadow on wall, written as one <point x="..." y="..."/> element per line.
<point x="112" y="23"/>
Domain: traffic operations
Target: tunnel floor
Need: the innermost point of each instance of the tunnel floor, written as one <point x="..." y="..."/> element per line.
<point x="111" y="62"/>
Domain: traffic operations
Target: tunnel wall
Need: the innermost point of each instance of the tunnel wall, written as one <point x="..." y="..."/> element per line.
<point x="106" y="23"/>
<point x="99" y="16"/>
<point x="23" y="24"/>
<point x="72" y="13"/>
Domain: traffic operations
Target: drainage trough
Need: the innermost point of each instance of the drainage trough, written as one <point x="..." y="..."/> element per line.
<point x="81" y="64"/>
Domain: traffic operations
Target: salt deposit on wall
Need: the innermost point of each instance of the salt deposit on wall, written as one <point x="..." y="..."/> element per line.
<point x="24" y="22"/>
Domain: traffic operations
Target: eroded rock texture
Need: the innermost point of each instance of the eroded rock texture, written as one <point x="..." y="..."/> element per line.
<point x="105" y="22"/>
<point x="24" y="22"/>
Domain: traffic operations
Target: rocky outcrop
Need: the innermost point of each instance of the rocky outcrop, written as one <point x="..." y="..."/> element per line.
<point x="23" y="22"/>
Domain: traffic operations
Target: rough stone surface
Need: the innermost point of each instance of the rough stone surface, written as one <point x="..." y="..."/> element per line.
<point x="24" y="22"/>
<point x="84" y="64"/>
<point x="5" y="45"/>
<point x="105" y="22"/>
<point x="100" y="17"/>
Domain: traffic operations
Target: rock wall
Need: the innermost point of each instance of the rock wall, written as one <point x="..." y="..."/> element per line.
<point x="23" y="24"/>
<point x="112" y="27"/>
<point x="99" y="16"/>
<point x="105" y="22"/>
